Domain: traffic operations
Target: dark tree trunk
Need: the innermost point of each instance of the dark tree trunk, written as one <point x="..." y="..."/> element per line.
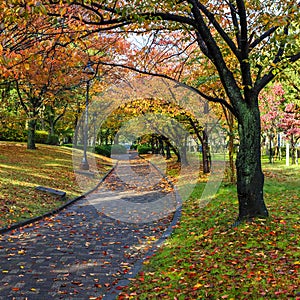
<point x="206" y="161"/>
<point x="293" y="150"/>
<point x="31" y="134"/>
<point x="161" y="146"/>
<point x="205" y="153"/>
<point x="168" y="151"/>
<point x="250" y="178"/>
<point x="230" y="123"/>
<point x="175" y="150"/>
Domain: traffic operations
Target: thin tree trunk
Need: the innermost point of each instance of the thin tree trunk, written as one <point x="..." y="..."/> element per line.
<point x="168" y="151"/>
<point x="250" y="178"/>
<point x="31" y="134"/>
<point x="205" y="153"/>
<point x="161" y="146"/>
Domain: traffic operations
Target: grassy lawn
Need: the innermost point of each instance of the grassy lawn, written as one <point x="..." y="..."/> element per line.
<point x="21" y="170"/>
<point x="205" y="258"/>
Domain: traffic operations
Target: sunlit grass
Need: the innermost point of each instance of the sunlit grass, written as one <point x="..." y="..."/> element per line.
<point x="21" y="170"/>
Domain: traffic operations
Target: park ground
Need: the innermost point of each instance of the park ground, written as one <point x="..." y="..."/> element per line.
<point x="205" y="258"/>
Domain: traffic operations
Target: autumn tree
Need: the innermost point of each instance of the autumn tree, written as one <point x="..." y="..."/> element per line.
<point x="280" y="113"/>
<point x="45" y="61"/>
<point x="245" y="43"/>
<point x="39" y="81"/>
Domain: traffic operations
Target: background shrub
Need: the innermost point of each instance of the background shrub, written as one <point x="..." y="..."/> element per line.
<point x="9" y="134"/>
<point x="41" y="136"/>
<point x="52" y="139"/>
<point x="144" y="149"/>
<point x="104" y="150"/>
<point x="107" y="150"/>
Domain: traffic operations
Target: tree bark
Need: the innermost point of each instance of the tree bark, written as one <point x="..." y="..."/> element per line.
<point x="231" y="157"/>
<point x="205" y="153"/>
<point x="31" y="134"/>
<point x="230" y="122"/>
<point x="250" y="178"/>
<point x="293" y="150"/>
<point x="161" y="146"/>
<point x="168" y="151"/>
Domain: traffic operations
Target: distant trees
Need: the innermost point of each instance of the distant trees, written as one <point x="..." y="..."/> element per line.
<point x="155" y="110"/>
<point x="279" y="115"/>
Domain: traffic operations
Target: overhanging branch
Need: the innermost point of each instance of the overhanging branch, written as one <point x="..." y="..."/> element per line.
<point x="206" y="97"/>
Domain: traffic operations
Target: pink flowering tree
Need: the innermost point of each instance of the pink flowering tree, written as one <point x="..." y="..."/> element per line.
<point x="290" y="124"/>
<point x="271" y="103"/>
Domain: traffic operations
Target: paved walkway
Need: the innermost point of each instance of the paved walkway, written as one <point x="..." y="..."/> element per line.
<point x="90" y="248"/>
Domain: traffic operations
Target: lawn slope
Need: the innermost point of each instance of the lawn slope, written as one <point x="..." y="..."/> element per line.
<point x="21" y="170"/>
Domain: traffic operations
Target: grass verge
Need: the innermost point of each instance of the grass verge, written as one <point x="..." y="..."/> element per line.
<point x="205" y="258"/>
<point x="21" y="170"/>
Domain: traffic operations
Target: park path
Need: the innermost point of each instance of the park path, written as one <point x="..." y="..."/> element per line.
<point x="89" y="249"/>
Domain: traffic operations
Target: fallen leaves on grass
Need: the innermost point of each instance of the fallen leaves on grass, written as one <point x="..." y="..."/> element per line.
<point x="206" y="258"/>
<point x="22" y="170"/>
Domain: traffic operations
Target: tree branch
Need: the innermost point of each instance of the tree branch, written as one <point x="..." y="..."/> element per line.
<point x="207" y="97"/>
<point x="217" y="26"/>
<point x="262" y="37"/>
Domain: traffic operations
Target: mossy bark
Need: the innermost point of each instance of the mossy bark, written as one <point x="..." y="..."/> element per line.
<point x="250" y="178"/>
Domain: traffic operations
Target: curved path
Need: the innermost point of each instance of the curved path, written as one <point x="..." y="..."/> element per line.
<point x="90" y="248"/>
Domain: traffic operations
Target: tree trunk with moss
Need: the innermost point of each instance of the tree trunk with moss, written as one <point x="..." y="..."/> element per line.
<point x="250" y="178"/>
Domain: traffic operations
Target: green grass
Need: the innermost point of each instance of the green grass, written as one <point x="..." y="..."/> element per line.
<point x="206" y="258"/>
<point x="21" y="170"/>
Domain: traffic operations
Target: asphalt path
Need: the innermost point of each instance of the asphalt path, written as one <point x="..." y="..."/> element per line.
<point x="90" y="249"/>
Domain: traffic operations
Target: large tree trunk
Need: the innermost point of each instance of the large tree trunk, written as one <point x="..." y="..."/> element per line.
<point x="231" y="158"/>
<point x="250" y="178"/>
<point x="230" y="122"/>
